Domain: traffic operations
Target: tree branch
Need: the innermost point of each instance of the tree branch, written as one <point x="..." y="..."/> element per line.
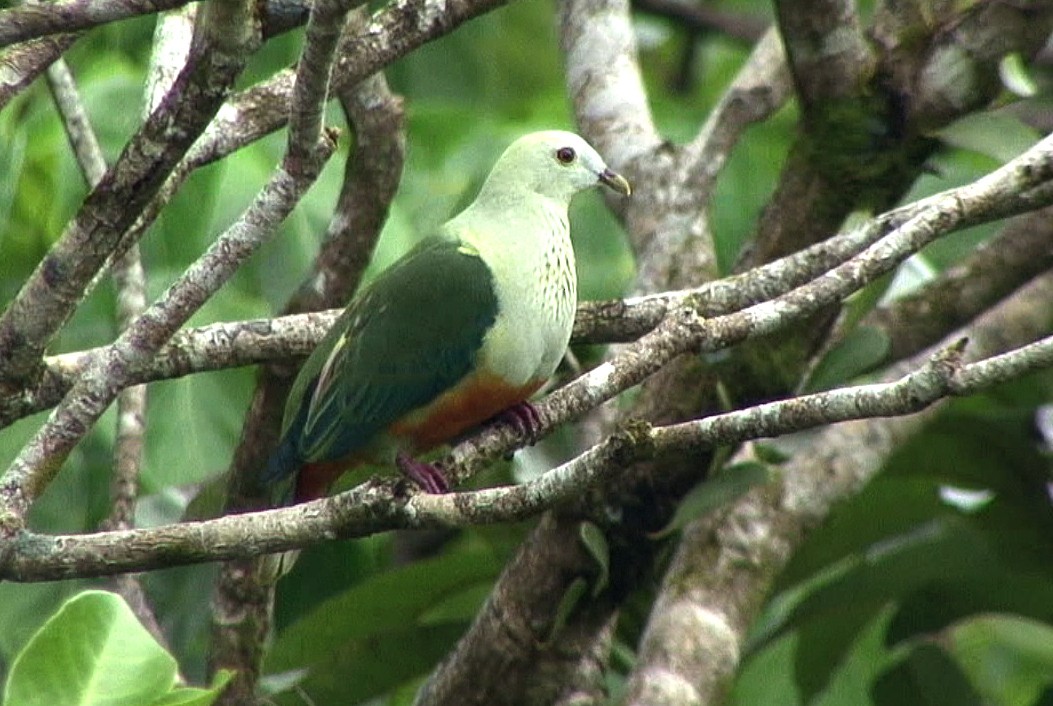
<point x="42" y="457"/>
<point x="382" y="505"/>
<point x="20" y="65"/>
<point x="986" y="275"/>
<point x="232" y="344"/>
<point x="241" y="604"/>
<point x="311" y="88"/>
<point x="18" y="24"/>
<point x="726" y="562"/>
<point x="604" y="80"/>
<point x="57" y="285"/>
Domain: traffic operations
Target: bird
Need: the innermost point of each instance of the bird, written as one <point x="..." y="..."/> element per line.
<point x="460" y="330"/>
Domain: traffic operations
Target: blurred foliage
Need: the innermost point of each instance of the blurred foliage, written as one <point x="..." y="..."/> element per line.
<point x="907" y="594"/>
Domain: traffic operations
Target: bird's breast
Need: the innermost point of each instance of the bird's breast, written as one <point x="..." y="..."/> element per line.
<point x="537" y="296"/>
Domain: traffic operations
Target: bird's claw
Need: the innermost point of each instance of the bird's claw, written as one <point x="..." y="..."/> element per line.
<point x="429" y="477"/>
<point x="524" y="418"/>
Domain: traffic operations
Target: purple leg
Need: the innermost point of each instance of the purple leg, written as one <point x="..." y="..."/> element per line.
<point x="430" y="478"/>
<point x="524" y="418"/>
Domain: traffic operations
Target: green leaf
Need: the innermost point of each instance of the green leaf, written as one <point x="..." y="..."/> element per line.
<point x="383" y="603"/>
<point x="1008" y="658"/>
<point x="93" y="652"/>
<point x="1000" y="135"/>
<point x="725" y="486"/>
<point x="567" y="603"/>
<point x="593" y="539"/>
<point x="386" y="630"/>
<point x="194" y="696"/>
<point x="361" y="670"/>
<point x="1015" y="76"/>
<point x="927" y="677"/>
<point x="459" y="607"/>
<point x="862" y="349"/>
<point x="770" y="453"/>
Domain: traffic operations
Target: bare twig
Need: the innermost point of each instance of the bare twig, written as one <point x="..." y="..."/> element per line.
<point x="78" y="129"/>
<point x="759" y="89"/>
<point x="311" y="88"/>
<point x="232" y="344"/>
<point x="996" y="268"/>
<point x="131" y="300"/>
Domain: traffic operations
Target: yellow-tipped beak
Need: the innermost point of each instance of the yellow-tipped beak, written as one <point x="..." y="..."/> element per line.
<point x="616" y="182"/>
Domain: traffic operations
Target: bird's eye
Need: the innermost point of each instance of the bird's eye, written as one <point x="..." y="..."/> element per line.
<point x="565" y="155"/>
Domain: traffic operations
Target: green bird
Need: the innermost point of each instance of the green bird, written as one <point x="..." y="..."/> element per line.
<point x="463" y="328"/>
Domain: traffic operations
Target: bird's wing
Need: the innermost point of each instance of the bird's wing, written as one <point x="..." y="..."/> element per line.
<point x="413" y="333"/>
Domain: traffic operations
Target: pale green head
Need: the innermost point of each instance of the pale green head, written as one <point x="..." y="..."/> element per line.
<point x="552" y="163"/>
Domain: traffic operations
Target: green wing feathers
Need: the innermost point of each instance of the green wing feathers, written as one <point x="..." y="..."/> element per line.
<point x="410" y="335"/>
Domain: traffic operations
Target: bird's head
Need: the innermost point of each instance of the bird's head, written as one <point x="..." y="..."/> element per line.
<point x="555" y="164"/>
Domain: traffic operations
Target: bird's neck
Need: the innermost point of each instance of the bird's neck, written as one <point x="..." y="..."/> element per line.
<point x="521" y="220"/>
<point x="524" y="237"/>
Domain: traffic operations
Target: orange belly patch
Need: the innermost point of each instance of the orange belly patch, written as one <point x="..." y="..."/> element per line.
<point x="471" y="402"/>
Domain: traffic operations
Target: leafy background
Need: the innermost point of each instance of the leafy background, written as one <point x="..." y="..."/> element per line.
<point x="912" y="593"/>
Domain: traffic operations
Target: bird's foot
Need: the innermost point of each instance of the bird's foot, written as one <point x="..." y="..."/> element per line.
<point x="524" y="418"/>
<point x="429" y="477"/>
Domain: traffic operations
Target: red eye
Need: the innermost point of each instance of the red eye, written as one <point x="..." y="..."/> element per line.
<point x="565" y="155"/>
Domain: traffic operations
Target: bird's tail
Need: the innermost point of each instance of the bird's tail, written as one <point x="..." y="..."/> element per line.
<point x="279" y="477"/>
<point x="282" y="465"/>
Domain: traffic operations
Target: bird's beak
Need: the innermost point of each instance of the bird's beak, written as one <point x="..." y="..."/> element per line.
<point x="616" y="182"/>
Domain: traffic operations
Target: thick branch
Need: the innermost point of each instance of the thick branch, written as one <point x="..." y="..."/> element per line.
<point x="829" y="55"/>
<point x="604" y="80"/>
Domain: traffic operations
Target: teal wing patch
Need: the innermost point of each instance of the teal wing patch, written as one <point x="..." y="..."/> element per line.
<point x="410" y="335"/>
